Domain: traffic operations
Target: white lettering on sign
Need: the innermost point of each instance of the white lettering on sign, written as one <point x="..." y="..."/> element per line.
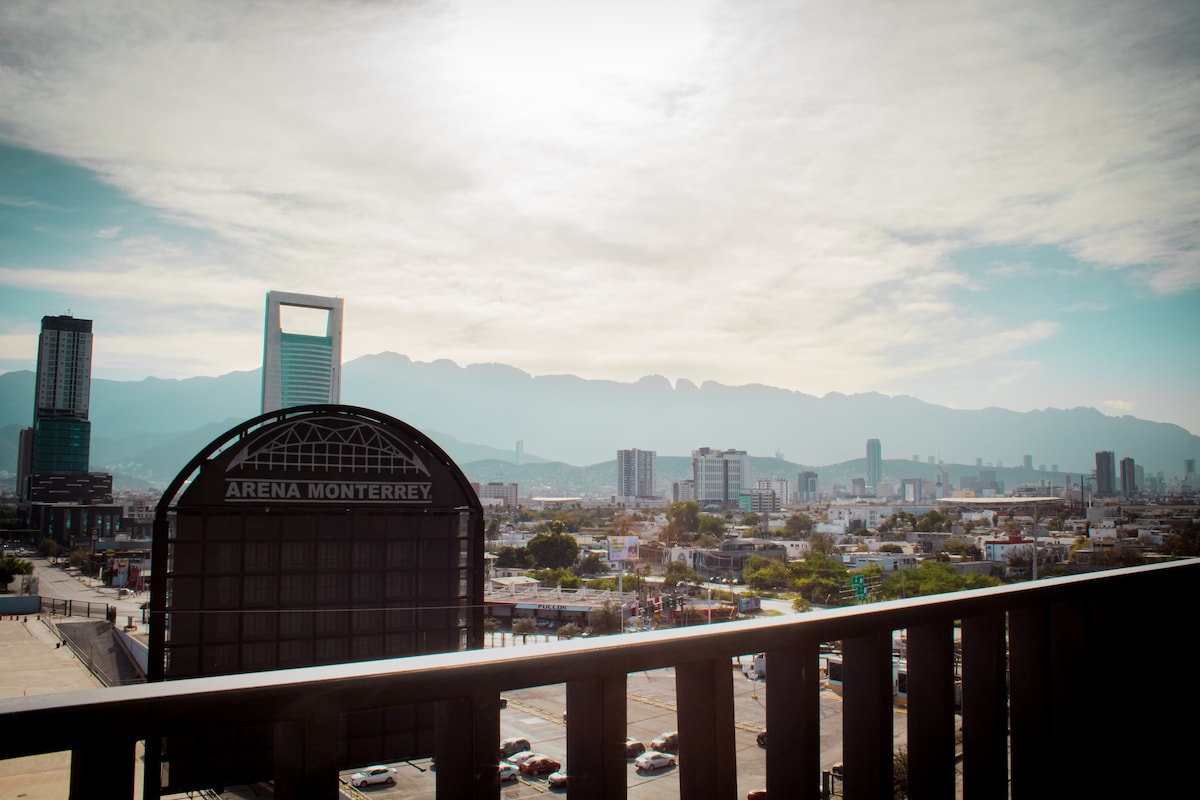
<point x="253" y="491"/>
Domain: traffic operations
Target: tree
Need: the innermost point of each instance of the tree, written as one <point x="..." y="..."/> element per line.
<point x="49" y="549"/>
<point x="568" y="631"/>
<point x="682" y="519"/>
<point x="523" y="627"/>
<point x="1185" y="542"/>
<point x="751" y="520"/>
<point x="900" y="774"/>
<point x="609" y="618"/>
<point x="10" y="568"/>
<point x="592" y="564"/>
<point x="678" y="572"/>
<point x="554" y="549"/>
<point x="961" y="548"/>
<point x="820" y="544"/>
<point x="711" y="524"/>
<point x="508" y="557"/>
<point x="798" y="526"/>
<point x="491" y="625"/>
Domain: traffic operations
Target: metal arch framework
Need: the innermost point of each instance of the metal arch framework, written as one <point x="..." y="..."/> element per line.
<point x="244" y="429"/>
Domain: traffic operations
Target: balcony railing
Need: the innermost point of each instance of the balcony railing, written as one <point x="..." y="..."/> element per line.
<point x="1070" y="687"/>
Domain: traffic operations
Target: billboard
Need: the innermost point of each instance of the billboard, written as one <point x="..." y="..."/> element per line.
<point x="623" y="548"/>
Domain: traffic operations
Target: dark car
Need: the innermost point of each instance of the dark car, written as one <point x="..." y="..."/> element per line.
<point x="634" y="748"/>
<point x="541" y="765"/>
<point x="761" y="738"/>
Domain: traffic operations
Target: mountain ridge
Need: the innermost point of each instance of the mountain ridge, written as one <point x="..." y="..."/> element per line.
<point x="480" y="412"/>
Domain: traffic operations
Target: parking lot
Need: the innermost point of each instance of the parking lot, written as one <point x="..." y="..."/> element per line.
<point x="537" y="714"/>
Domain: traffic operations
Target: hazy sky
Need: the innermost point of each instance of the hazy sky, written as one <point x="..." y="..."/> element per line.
<point x="977" y="204"/>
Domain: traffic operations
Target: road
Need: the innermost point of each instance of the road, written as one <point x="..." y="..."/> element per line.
<point x="65" y="583"/>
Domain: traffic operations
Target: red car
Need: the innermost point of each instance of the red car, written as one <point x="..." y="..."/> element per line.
<point x="541" y="765"/>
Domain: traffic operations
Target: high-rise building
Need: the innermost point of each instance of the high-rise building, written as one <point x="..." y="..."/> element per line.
<point x="1129" y="485"/>
<point x="874" y="462"/>
<point x="1027" y="461"/>
<point x="506" y="493"/>
<point x="59" y="442"/>
<point x="1106" y="474"/>
<point x="782" y="488"/>
<point x="719" y="475"/>
<point x="301" y="368"/>
<point x="806" y="487"/>
<point x="636" y="475"/>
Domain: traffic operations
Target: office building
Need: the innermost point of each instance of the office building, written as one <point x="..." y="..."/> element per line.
<point x="636" y="475"/>
<point x="782" y="488"/>
<point x="719" y="475"/>
<point x="301" y="368"/>
<point x="1129" y="483"/>
<point x="806" y="487"/>
<point x="874" y="463"/>
<point x="496" y="493"/>
<point x="1106" y="474"/>
<point x="61" y="432"/>
<point x="62" y="435"/>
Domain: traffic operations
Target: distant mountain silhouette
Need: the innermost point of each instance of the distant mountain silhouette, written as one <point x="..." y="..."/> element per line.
<point x="569" y="426"/>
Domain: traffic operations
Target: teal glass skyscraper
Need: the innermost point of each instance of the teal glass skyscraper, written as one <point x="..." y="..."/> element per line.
<point x="874" y="463"/>
<point x="301" y="368"/>
<point x="62" y="433"/>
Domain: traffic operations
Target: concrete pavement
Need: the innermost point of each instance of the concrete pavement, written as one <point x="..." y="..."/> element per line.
<point x="32" y="664"/>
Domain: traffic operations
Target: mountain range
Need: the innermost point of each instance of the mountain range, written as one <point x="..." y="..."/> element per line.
<point x="558" y="434"/>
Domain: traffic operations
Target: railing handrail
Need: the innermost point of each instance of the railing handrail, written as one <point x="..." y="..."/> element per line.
<point x="1020" y="645"/>
<point x="220" y="701"/>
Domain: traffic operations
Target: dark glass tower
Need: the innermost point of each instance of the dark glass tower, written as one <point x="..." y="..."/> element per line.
<point x="62" y="434"/>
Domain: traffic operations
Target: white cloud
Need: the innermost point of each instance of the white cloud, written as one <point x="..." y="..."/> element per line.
<point x="1121" y="406"/>
<point x="747" y="192"/>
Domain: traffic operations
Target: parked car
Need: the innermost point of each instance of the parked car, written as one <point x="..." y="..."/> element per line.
<point x="756" y="794"/>
<point x="836" y="770"/>
<point x="503" y="702"/>
<point x="652" y="760"/>
<point x="668" y="741"/>
<point x="761" y="738"/>
<point x="557" y="780"/>
<point x="508" y="772"/>
<point x="523" y="756"/>
<point x="540" y="765"/>
<point x="633" y="748"/>
<point x="373" y="775"/>
<point x="511" y="746"/>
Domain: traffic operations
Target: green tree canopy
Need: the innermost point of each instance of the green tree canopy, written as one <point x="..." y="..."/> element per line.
<point x="711" y="524"/>
<point x="10" y="568"/>
<point x="607" y="619"/>
<point x="592" y="564"/>
<point x="554" y="549"/>
<point x="798" y="526"/>
<point x="820" y="545"/>
<point x="682" y="519"/>
<point x="514" y="558"/>
<point x="678" y="572"/>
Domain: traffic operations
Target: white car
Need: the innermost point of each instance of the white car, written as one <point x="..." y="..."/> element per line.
<point x="508" y="772"/>
<point x="523" y="756"/>
<point x="373" y="775"/>
<point x="653" y="760"/>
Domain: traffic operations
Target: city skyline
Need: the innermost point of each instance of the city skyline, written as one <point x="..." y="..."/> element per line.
<point x="968" y="207"/>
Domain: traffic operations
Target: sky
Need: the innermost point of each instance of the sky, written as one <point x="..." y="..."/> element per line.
<point x="976" y="204"/>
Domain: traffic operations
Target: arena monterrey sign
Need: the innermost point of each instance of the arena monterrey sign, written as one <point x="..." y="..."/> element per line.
<point x="334" y="458"/>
